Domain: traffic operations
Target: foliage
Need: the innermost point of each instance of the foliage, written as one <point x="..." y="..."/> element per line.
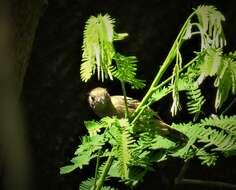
<point x="128" y="148"/>
<point x="99" y="53"/>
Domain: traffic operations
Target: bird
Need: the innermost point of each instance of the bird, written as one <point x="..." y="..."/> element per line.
<point x="103" y="104"/>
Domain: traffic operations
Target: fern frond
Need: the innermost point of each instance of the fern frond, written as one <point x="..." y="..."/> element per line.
<point x="160" y="142"/>
<point x="195" y="100"/>
<point x="194" y="96"/>
<point x="210" y="27"/>
<point x="125" y="70"/>
<point x="121" y="141"/>
<point x="225" y="81"/>
<point x="214" y="63"/>
<point x="211" y="61"/>
<point x="228" y="124"/>
<point x="192" y="132"/>
<point x="98" y="49"/>
<point x="123" y="152"/>
<point x="159" y="94"/>
<point x="119" y="36"/>
<point x="86" y="152"/>
<point x="114" y="170"/>
<point x="223" y="142"/>
<point x="207" y="158"/>
<point x="87" y="184"/>
<point x="93" y="127"/>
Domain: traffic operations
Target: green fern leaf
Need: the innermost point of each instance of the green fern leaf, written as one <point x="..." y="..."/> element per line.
<point x="221" y="140"/>
<point x="211" y="62"/>
<point x="194" y="95"/>
<point x="114" y="170"/>
<point x="208" y="159"/>
<point x="159" y="94"/>
<point x="125" y="70"/>
<point x="89" y="185"/>
<point x="195" y="100"/>
<point x="98" y="49"/>
<point x="192" y="132"/>
<point x="210" y="27"/>
<point x="225" y="81"/>
<point x="228" y="124"/>
<point x="160" y="142"/>
<point x="86" y="152"/>
<point x="121" y="140"/>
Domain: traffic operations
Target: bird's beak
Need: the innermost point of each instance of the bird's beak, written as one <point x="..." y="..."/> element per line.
<point x="101" y="100"/>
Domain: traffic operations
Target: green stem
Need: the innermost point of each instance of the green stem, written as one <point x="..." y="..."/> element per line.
<point x="96" y="169"/>
<point x="170" y="57"/>
<point x="182" y="172"/>
<point x="161" y="85"/>
<point x="183" y="68"/>
<point x="228" y="107"/>
<point x="125" y="99"/>
<point x="101" y="180"/>
<point x="138" y="115"/>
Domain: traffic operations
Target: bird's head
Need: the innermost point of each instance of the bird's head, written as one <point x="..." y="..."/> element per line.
<point x="99" y="100"/>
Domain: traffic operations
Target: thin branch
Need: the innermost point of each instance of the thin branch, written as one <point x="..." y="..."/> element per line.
<point x="170" y="57"/>
<point x="125" y="99"/>
<point x="182" y="172"/>
<point x="213" y="184"/>
<point x="229" y="106"/>
<point x="104" y="173"/>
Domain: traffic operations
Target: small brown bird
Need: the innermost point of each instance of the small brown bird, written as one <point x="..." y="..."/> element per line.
<point x="105" y="105"/>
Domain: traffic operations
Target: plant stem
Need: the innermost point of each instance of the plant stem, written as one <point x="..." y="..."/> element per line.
<point x="214" y="184"/>
<point x="137" y="116"/>
<point x="229" y="106"/>
<point x="182" y="172"/>
<point x="101" y="180"/>
<point x="170" y="57"/>
<point x="96" y="169"/>
<point x="162" y="84"/>
<point x="183" y="68"/>
<point x="125" y="99"/>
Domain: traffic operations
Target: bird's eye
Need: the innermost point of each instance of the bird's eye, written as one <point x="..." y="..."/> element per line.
<point x="92" y="98"/>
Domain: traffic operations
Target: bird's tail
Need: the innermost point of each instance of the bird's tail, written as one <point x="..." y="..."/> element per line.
<point x="172" y="134"/>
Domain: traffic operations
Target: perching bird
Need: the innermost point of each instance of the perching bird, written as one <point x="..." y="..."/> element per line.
<point x="105" y="105"/>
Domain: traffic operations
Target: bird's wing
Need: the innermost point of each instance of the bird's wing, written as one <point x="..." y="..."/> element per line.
<point x="119" y="104"/>
<point x="165" y="130"/>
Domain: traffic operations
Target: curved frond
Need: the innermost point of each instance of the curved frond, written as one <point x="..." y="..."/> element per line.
<point x="125" y="70"/>
<point x="210" y="27"/>
<point x="228" y="124"/>
<point x="225" y="81"/>
<point x="87" y="184"/>
<point x="98" y="49"/>
<point x="195" y="100"/>
<point x="222" y="140"/>
<point x="121" y="141"/>
<point x="207" y="158"/>
<point x="85" y="152"/>
<point x="211" y="61"/>
<point x="194" y="95"/>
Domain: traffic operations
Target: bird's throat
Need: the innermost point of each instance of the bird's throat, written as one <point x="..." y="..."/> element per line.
<point x="106" y="109"/>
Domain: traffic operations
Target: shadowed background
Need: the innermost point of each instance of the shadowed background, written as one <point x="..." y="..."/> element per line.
<point x="55" y="99"/>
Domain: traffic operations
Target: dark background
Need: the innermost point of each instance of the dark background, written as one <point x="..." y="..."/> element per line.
<point x="55" y="99"/>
